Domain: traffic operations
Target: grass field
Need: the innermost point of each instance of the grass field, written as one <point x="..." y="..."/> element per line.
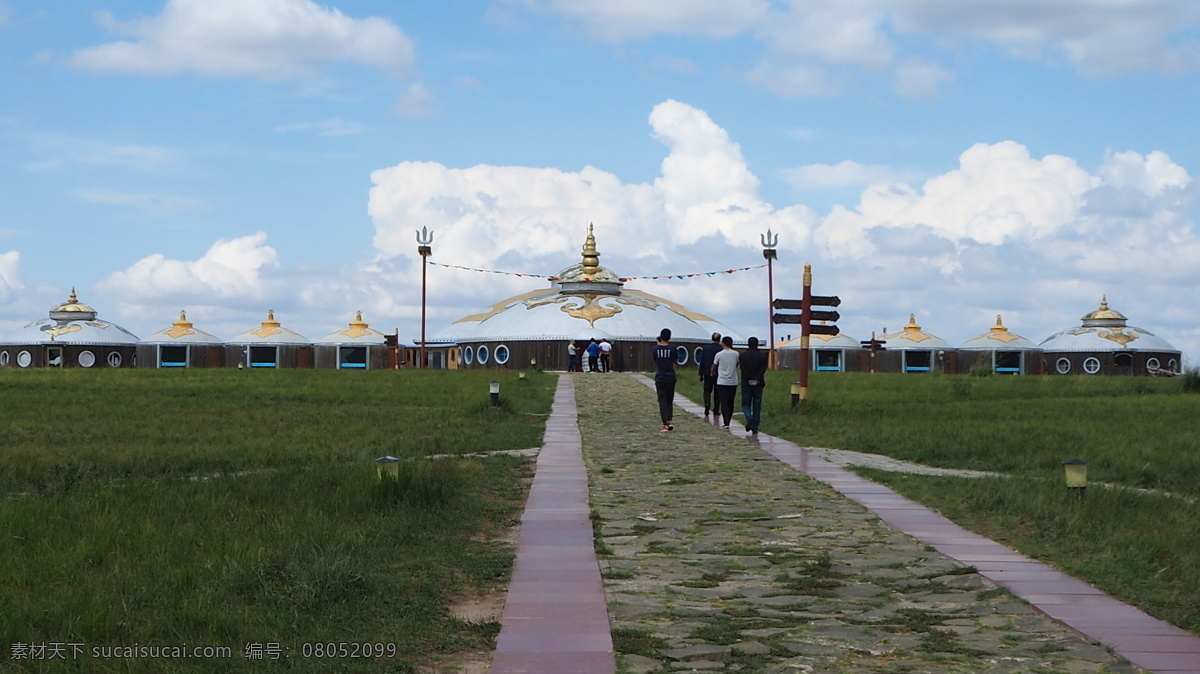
<point x="1135" y="433"/>
<point x="241" y="510"/>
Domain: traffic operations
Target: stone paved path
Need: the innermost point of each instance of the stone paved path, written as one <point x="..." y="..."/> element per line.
<point x="718" y="557"/>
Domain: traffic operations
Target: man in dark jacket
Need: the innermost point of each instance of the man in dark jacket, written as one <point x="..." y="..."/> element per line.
<point x="753" y="364"/>
<point x="707" y="375"/>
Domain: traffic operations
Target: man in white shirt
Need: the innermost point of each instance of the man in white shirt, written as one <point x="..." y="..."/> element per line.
<point x="605" y="356"/>
<point x="725" y="367"/>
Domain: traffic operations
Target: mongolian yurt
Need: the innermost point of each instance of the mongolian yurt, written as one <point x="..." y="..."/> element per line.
<point x="1001" y="351"/>
<point x="356" y="347"/>
<point x="827" y="353"/>
<point x="181" y="345"/>
<point x="270" y="345"/>
<point x="1104" y="344"/>
<point x="912" y="350"/>
<point x="72" y="336"/>
<point x="583" y="301"/>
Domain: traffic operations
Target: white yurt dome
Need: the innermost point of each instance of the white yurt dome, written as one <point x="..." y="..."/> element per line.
<point x="583" y="301"/>
<point x="71" y="322"/>
<point x="912" y="336"/>
<point x="270" y="332"/>
<point x="1105" y="330"/>
<point x="358" y="333"/>
<point x="838" y="341"/>
<point x="999" y="338"/>
<point x="182" y="332"/>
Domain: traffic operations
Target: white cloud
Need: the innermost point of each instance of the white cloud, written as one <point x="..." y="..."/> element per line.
<point x="266" y="39"/>
<point x="847" y="32"/>
<point x="793" y="80"/>
<point x="416" y="101"/>
<point x="677" y="64"/>
<point x="841" y="174"/>
<point x="1151" y="174"/>
<point x="919" y="79"/>
<point x="58" y="151"/>
<point x="1098" y="38"/>
<point x="617" y="20"/>
<point x="161" y="204"/>
<point x="328" y="127"/>
<point x="10" y="275"/>
<point x="230" y="270"/>
<point x="484" y="213"/>
<point x="998" y="193"/>
<point x="802" y="41"/>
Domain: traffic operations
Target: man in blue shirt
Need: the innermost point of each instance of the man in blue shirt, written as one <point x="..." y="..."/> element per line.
<point x="664" y="378"/>
<point x="593" y="351"/>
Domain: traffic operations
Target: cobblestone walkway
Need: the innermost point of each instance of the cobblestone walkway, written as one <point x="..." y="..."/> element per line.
<point x="717" y="557"/>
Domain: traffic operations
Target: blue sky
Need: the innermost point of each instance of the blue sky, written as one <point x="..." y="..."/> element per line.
<point x="945" y="159"/>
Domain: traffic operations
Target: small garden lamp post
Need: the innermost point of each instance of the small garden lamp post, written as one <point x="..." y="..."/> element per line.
<point x="796" y="387"/>
<point x="494" y="390"/>
<point x="387" y="467"/>
<point x="1076" y="474"/>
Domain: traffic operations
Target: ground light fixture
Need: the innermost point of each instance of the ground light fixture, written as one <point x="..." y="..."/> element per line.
<point x="387" y="467"/>
<point x="494" y="390"/>
<point x="795" y="393"/>
<point x="1076" y="474"/>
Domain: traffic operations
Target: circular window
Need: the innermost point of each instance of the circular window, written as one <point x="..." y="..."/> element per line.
<point x="1152" y="364"/>
<point x="483" y="355"/>
<point x="1091" y="365"/>
<point x="468" y="355"/>
<point x="114" y="359"/>
<point x="681" y="355"/>
<point x="1063" y="366"/>
<point x="501" y="354"/>
<point x="87" y="358"/>
<point x="4" y="359"/>
<point x="24" y="359"/>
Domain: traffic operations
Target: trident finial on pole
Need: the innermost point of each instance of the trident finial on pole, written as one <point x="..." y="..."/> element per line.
<point x="424" y="240"/>
<point x="768" y="241"/>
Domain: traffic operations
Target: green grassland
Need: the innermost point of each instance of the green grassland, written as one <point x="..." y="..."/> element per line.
<point x="242" y="509"/>
<point x="1135" y="433"/>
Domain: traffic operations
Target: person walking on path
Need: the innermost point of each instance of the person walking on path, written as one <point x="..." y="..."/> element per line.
<point x="605" y="355"/>
<point x="707" y="377"/>
<point x="724" y="370"/>
<point x="593" y="351"/>
<point x="754" y="370"/>
<point x="572" y="356"/>
<point x="664" y="378"/>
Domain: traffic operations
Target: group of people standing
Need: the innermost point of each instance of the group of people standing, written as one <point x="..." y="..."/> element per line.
<point x="718" y="367"/>
<point x="599" y="355"/>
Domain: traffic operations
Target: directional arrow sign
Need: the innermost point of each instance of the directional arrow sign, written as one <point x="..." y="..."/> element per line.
<point x="787" y="304"/>
<point x="826" y="301"/>
<point x="831" y="316"/>
<point x="787" y="318"/>
<point x="823" y="329"/>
